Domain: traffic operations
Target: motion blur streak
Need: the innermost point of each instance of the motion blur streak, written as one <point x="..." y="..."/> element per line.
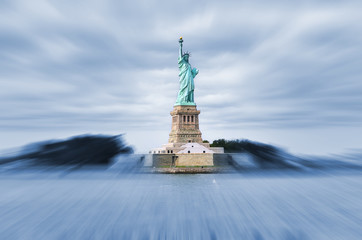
<point x="118" y="201"/>
<point x="101" y="205"/>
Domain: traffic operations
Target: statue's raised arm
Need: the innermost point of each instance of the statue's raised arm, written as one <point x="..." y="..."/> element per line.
<point x="187" y="74"/>
<point x="180" y="52"/>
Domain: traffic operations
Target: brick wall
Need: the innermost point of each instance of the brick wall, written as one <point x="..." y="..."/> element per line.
<point x="194" y="159"/>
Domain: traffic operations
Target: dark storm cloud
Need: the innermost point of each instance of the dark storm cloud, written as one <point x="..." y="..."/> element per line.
<point x="112" y="63"/>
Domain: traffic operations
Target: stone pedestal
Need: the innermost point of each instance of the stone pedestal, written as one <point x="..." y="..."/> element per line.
<point x="185" y="148"/>
<point x="185" y="125"/>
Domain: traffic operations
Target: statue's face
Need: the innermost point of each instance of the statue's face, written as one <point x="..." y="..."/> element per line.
<point x="186" y="58"/>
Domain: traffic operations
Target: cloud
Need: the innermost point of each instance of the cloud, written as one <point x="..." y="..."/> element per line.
<point x="104" y="65"/>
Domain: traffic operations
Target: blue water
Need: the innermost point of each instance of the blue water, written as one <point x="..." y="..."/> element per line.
<point x="107" y="204"/>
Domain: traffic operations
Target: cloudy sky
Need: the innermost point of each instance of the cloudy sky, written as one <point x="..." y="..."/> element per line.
<point x="280" y="72"/>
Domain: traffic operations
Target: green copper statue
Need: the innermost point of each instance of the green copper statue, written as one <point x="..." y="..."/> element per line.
<point x="187" y="75"/>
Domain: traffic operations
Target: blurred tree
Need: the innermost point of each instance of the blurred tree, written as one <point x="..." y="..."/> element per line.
<point x="79" y="150"/>
<point x="264" y="155"/>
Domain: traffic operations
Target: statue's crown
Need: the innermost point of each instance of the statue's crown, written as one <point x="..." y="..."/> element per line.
<point x="186" y="53"/>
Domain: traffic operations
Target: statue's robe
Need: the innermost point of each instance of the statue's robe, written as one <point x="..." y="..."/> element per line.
<point x="187" y="86"/>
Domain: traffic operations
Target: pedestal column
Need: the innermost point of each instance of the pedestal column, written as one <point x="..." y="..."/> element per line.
<point x="185" y="125"/>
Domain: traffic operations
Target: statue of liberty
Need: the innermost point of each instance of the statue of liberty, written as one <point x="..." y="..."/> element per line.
<point x="187" y="75"/>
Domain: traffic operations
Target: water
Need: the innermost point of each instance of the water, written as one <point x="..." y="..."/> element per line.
<point x="111" y="204"/>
